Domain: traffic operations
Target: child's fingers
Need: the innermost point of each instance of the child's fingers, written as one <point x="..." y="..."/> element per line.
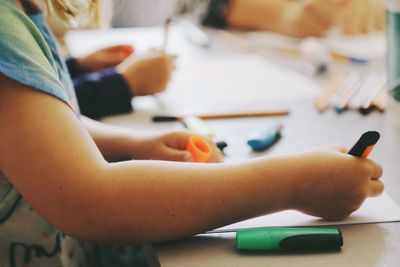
<point x="376" y="170"/>
<point x="177" y="140"/>
<point x="172" y="57"/>
<point x="172" y="154"/>
<point x="376" y="188"/>
<point x="172" y="61"/>
<point x="216" y="156"/>
<point x="176" y="144"/>
<point x="338" y="147"/>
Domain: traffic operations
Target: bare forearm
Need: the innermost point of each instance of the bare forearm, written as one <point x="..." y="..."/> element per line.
<point x="256" y="14"/>
<point x="190" y="198"/>
<point x="111" y="141"/>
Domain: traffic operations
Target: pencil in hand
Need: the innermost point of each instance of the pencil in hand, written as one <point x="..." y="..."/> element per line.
<point x="166" y="33"/>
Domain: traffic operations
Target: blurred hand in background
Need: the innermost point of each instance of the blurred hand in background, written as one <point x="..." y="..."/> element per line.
<point x="363" y="16"/>
<point x="149" y="73"/>
<point x="105" y="58"/>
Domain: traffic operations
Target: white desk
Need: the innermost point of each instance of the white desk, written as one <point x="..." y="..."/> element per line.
<point x="364" y="245"/>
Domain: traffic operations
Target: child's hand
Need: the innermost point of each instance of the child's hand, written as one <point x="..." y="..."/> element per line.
<point x="336" y="184"/>
<point x="105" y="58"/>
<point x="170" y="147"/>
<point x="363" y="16"/>
<point x="149" y="73"/>
<point x="310" y="18"/>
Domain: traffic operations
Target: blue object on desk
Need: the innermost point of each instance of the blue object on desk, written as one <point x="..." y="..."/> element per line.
<point x="266" y="137"/>
<point x="358" y="61"/>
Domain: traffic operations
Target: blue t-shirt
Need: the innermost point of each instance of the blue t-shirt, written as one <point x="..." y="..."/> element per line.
<point x="29" y="55"/>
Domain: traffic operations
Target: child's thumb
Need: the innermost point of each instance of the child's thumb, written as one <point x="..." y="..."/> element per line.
<point x="338" y="147"/>
<point x="180" y="155"/>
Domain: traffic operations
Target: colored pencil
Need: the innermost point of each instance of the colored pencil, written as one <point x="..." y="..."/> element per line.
<point x="166" y="34"/>
<point x="276" y="113"/>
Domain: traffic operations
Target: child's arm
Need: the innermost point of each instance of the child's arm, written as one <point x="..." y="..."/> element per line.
<point x="117" y="144"/>
<point x="54" y="163"/>
<point x="295" y="18"/>
<point x="149" y="73"/>
<point x="363" y="16"/>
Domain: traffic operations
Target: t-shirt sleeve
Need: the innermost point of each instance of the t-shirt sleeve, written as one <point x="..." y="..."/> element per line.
<point x="25" y="56"/>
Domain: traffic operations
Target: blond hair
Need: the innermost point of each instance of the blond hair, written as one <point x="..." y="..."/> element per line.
<point x="89" y="13"/>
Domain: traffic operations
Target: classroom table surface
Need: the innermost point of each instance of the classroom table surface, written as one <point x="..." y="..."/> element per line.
<point x="304" y="128"/>
<point x="364" y="245"/>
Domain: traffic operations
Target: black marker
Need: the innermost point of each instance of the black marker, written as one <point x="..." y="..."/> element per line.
<point x="365" y="144"/>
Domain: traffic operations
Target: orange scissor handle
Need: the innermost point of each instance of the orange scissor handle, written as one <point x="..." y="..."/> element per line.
<point x="200" y="148"/>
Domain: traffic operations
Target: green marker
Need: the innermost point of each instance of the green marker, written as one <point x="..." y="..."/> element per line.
<point x="294" y="239"/>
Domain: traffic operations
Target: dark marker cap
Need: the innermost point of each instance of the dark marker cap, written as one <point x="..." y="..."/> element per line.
<point x="365" y="144"/>
<point x="158" y="118"/>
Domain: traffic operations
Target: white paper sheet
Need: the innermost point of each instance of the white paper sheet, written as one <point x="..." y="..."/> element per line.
<point x="374" y="210"/>
<point x="233" y="82"/>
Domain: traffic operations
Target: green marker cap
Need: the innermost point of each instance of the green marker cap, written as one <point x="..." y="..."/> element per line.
<point x="289" y="239"/>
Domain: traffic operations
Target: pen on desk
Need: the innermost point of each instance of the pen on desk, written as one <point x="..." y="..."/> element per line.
<point x="365" y="144"/>
<point x="276" y="113"/>
<point x="166" y="33"/>
<point x="221" y="145"/>
<point x="292" y="239"/>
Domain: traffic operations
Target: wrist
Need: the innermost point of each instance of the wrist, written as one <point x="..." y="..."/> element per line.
<point x="130" y="79"/>
<point x="140" y="147"/>
<point x="278" y="183"/>
<point x="302" y="171"/>
<point x="132" y="146"/>
<point x="124" y="146"/>
<point x="83" y="65"/>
